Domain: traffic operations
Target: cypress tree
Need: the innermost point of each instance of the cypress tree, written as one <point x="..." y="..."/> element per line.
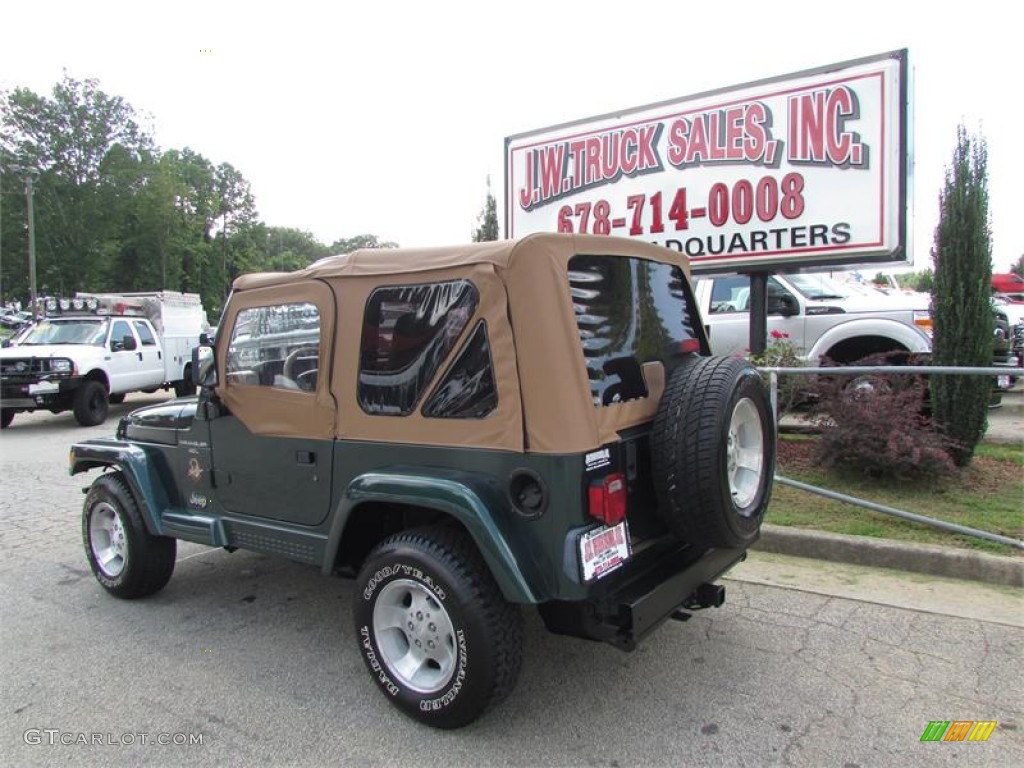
<point x="487" y="221"/>
<point x="961" y="297"/>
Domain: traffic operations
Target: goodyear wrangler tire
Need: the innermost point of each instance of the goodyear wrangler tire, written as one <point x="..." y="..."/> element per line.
<point x="713" y="452"/>
<point x="126" y="559"/>
<point x="436" y="634"/>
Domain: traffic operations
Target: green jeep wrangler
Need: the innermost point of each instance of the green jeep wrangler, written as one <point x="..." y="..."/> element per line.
<point x="464" y="431"/>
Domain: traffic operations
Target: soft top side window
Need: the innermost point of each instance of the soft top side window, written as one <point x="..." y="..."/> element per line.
<point x="275" y="346"/>
<point x="408" y="331"/>
<point x="467" y="390"/>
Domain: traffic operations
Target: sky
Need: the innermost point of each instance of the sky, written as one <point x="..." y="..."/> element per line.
<point x="388" y="118"/>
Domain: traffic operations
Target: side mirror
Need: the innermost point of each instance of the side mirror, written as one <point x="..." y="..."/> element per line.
<point x="125" y="344"/>
<point x="204" y="372"/>
<point x="783" y="304"/>
<point x="5" y="343"/>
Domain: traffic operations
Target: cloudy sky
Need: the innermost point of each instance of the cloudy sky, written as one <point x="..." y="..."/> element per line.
<point x="351" y="119"/>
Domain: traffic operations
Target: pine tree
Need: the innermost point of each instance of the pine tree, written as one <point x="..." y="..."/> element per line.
<point x="487" y="220"/>
<point x="961" y="304"/>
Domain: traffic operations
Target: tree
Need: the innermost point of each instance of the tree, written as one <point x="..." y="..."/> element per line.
<point x="487" y="220"/>
<point x="286" y="249"/>
<point x="919" y="281"/>
<point x="343" y="245"/>
<point x="1018" y="266"/>
<point x="90" y="156"/>
<point x="961" y="303"/>
<point x="115" y="213"/>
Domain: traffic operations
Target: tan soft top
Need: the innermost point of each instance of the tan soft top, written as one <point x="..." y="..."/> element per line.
<point x="503" y="254"/>
<point x="544" y="397"/>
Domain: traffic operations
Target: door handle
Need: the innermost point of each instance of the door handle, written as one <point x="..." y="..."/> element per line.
<point x="305" y="457"/>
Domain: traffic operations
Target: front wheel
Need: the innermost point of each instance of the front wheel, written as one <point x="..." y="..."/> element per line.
<point x="184" y="387"/>
<point x="90" y="403"/>
<point x="126" y="559"/>
<point x="435" y="632"/>
<point x="6" y="417"/>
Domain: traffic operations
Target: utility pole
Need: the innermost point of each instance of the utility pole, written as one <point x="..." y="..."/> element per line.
<point x="29" y="178"/>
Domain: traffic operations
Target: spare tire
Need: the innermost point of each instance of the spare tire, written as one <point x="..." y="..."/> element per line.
<point x="713" y="452"/>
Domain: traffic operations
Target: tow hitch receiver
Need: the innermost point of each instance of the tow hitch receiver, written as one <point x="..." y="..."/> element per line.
<point x="705" y="596"/>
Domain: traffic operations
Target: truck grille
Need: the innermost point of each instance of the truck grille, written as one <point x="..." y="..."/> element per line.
<point x="25" y="367"/>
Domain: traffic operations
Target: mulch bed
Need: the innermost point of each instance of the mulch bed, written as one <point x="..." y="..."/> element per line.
<point x="982" y="475"/>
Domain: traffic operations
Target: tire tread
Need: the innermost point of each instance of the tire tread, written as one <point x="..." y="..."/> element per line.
<point x="152" y="557"/>
<point x="453" y="550"/>
<point x="686" y="451"/>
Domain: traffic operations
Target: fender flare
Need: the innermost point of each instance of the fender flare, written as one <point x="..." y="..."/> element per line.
<point x="454" y="494"/>
<point x="901" y="333"/>
<point x="136" y="467"/>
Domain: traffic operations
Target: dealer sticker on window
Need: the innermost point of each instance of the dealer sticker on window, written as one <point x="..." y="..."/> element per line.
<point x="603" y="550"/>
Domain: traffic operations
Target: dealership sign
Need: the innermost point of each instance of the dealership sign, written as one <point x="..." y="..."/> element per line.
<point x="803" y="170"/>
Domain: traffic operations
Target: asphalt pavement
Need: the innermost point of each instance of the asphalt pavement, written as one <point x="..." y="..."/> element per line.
<point x="245" y="659"/>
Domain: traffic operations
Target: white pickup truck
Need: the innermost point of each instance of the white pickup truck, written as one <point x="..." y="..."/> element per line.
<point x="821" y="317"/>
<point x="92" y="350"/>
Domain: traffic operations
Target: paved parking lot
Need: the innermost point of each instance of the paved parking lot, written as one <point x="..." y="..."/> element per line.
<point x="254" y="656"/>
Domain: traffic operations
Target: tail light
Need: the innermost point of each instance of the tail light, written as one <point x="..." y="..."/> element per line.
<point x="689" y="345"/>
<point x="607" y="498"/>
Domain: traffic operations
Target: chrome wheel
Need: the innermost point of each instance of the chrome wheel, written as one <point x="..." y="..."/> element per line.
<point x="415" y="636"/>
<point x="108" y="540"/>
<point x="745" y="454"/>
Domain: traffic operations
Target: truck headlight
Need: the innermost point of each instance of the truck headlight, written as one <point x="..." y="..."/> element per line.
<point x="61" y="365"/>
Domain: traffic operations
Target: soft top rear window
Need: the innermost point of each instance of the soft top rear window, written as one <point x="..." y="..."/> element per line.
<point x="629" y="311"/>
<point x="408" y="331"/>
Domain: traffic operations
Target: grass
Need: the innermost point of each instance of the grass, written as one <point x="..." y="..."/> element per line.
<point x="988" y="495"/>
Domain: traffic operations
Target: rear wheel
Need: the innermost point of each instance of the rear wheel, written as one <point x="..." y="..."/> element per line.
<point x="435" y="632"/>
<point x="713" y="452"/>
<point x="6" y="417"/>
<point x="91" y="403"/>
<point x="126" y="559"/>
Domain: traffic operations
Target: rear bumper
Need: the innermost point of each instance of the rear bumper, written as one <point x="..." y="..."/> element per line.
<point x="643" y="601"/>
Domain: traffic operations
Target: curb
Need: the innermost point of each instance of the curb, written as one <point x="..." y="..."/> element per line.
<point x="886" y="553"/>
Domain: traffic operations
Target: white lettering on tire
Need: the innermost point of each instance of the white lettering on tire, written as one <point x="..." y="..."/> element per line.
<point x="428" y="705"/>
<point x="375" y="665"/>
